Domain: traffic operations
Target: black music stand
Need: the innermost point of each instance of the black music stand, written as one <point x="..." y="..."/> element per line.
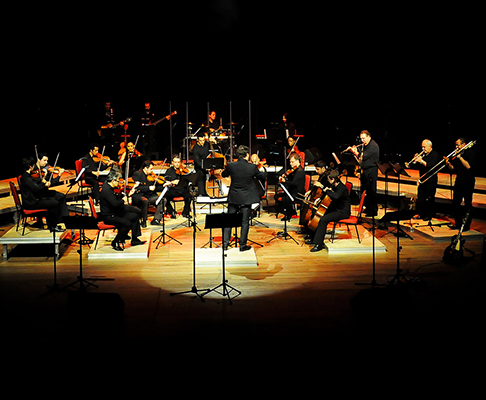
<point x="163" y="235"/>
<point x="387" y="170"/>
<point x="82" y="222"/>
<point x="213" y="163"/>
<point x="224" y="220"/>
<point x="284" y="234"/>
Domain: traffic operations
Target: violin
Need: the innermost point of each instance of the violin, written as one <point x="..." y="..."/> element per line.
<point x="153" y="178"/>
<point x="183" y="170"/>
<point x="104" y="159"/>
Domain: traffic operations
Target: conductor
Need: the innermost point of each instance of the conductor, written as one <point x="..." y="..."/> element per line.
<point x="242" y="193"/>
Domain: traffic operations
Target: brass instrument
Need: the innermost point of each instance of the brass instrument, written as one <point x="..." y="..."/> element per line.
<point x="441" y="164"/>
<point x="414" y="159"/>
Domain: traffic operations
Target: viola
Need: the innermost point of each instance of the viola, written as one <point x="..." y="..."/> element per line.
<point x="182" y="171"/>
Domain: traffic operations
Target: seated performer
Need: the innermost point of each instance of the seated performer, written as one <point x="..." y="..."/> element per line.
<point x="294" y="181"/>
<point x="35" y="195"/>
<point x="131" y="153"/>
<point x="340" y="208"/>
<point x="173" y="177"/>
<point x="92" y="170"/>
<point x="242" y="193"/>
<point x="114" y="211"/>
<point x="42" y="164"/>
<point x="146" y="193"/>
<point x="313" y="193"/>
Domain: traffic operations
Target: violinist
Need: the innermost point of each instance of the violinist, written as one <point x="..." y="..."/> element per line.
<point x="368" y="154"/>
<point x="260" y="183"/>
<point x="340" y="208"/>
<point x="200" y="151"/>
<point x="173" y="177"/>
<point x="46" y="174"/>
<point x="294" y="181"/>
<point x="93" y="165"/>
<point x="146" y="192"/>
<point x="114" y="211"/>
<point x="131" y="153"/>
<point x="35" y="195"/>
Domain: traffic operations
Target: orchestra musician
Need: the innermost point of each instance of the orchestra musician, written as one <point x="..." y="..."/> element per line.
<point x="43" y="165"/>
<point x="261" y="183"/>
<point x="146" y="193"/>
<point x="128" y="152"/>
<point x="93" y="165"/>
<point x="200" y="151"/>
<point x="114" y="211"/>
<point x="426" y="160"/>
<point x="292" y="147"/>
<point x="294" y="181"/>
<point x="321" y="182"/>
<point x="213" y="125"/>
<point x="35" y="195"/>
<point x="176" y="188"/>
<point x="287" y="126"/>
<point x="368" y="155"/>
<point x="108" y="131"/>
<point x="149" y="142"/>
<point x="464" y="167"/>
<point x="242" y="193"/>
<point x="340" y="208"/>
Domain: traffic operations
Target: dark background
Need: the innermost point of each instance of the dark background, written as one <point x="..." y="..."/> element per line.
<point x="403" y="73"/>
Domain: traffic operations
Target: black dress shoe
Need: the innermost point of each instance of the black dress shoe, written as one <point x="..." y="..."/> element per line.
<point x="143" y="224"/>
<point x="245" y="248"/>
<point x="137" y="242"/>
<point x="155" y="222"/>
<point x="318" y="247"/>
<point x="57" y="229"/>
<point x="116" y="246"/>
<point x="173" y="215"/>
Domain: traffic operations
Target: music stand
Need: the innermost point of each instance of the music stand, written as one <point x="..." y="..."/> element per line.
<point x="213" y="163"/>
<point x="284" y="234"/>
<point x="81" y="222"/>
<point x="386" y="169"/>
<point x="161" y="237"/>
<point x="224" y="220"/>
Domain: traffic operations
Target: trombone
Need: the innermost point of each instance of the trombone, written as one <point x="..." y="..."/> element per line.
<point x="442" y="163"/>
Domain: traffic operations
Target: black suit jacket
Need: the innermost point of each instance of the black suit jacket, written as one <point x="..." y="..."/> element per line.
<point x="243" y="189"/>
<point x="295" y="182"/>
<point x="110" y="203"/>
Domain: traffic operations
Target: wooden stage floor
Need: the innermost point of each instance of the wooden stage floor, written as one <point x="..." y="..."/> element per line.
<point x="289" y="293"/>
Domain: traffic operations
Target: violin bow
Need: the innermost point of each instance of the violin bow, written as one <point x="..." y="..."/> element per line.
<point x="54" y="167"/>
<point x="101" y="158"/>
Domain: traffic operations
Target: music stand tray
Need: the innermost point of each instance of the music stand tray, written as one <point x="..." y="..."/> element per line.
<point x="224" y="220"/>
<point x="213" y="163"/>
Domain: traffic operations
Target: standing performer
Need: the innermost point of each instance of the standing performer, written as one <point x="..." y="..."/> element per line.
<point x="146" y="193"/>
<point x="464" y="167"/>
<point x="294" y="181"/>
<point x="200" y="151"/>
<point x="35" y="195"/>
<point x="427" y="159"/>
<point x="242" y="193"/>
<point x="173" y="176"/>
<point x="368" y="156"/>
<point x="114" y="211"/>
<point x="340" y="208"/>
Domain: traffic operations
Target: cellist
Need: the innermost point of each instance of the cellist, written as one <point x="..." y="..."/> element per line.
<point x="339" y="208"/>
<point x="314" y="194"/>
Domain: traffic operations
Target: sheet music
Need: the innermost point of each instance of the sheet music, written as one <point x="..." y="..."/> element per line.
<point x="162" y="195"/>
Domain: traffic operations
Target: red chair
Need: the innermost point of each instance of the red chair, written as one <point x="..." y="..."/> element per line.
<point x="352" y="220"/>
<point x="22" y="212"/>
<point x="81" y="183"/>
<point x="101" y="225"/>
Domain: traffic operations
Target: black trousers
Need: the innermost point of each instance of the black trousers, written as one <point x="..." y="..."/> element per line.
<point x="426" y="199"/>
<point x="324" y="221"/>
<point x="245" y="223"/>
<point x="463" y="190"/>
<point x="128" y="219"/>
<point x="143" y="203"/>
<point x="368" y="180"/>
